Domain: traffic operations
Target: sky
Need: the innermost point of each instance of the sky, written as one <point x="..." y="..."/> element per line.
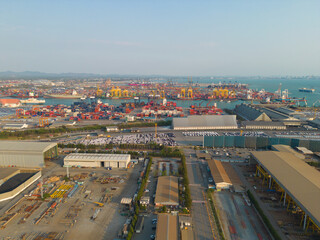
<point x="167" y="37"/>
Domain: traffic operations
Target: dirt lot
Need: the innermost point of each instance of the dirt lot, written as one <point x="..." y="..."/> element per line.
<point x="71" y="217"/>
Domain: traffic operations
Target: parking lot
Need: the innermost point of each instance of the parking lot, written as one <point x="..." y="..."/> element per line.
<point x="166" y="139"/>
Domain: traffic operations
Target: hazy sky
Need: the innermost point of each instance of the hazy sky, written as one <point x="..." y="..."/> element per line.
<point x="206" y="37"/>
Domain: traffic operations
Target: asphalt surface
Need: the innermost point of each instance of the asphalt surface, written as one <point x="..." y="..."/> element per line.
<point x="200" y="213"/>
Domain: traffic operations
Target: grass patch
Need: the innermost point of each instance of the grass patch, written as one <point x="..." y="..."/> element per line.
<point x="215" y="215"/>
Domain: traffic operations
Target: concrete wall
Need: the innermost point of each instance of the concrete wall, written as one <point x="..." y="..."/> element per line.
<point x="83" y="164"/>
<point x="19" y="159"/>
<point x="20" y="188"/>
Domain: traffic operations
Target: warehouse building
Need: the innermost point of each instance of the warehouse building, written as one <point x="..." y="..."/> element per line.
<point x="26" y="154"/>
<point x="260" y="125"/>
<point x="205" y="122"/>
<point x="13" y="181"/>
<point x="261" y="113"/>
<point x="251" y="113"/>
<point x="97" y="160"/>
<point x="167" y="227"/>
<point x="299" y="181"/>
<point x="224" y="176"/>
<point x="315" y="123"/>
<point x="167" y="193"/>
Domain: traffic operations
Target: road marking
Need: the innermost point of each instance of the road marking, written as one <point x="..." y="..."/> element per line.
<point x="195" y="184"/>
<point x="198" y="201"/>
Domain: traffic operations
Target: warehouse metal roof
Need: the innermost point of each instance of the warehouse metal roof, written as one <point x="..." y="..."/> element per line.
<point x="251" y="113"/>
<point x="218" y="172"/>
<point x="97" y="157"/>
<point x="5" y="172"/>
<point x="25" y="146"/>
<point x="304" y="150"/>
<point x="274" y="115"/>
<point x="213" y="121"/>
<point x="167" y="227"/>
<point x="262" y="123"/>
<point x="167" y="191"/>
<point x="288" y="149"/>
<point x="297" y="178"/>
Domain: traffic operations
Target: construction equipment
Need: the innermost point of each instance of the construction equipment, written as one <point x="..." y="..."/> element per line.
<point x="155" y="129"/>
<point x="183" y="93"/>
<point x="99" y="204"/>
<point x="99" y="91"/>
<point x="190" y="93"/>
<point x="43" y="121"/>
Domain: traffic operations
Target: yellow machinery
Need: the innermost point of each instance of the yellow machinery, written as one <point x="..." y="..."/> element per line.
<point x="221" y="93"/>
<point x="215" y="93"/>
<point x="224" y="93"/>
<point x="125" y="93"/>
<point x="190" y="93"/>
<point x="113" y="92"/>
<point x="118" y="92"/>
<point x="162" y="94"/>
<point x="99" y="91"/>
<point x="99" y="204"/>
<point x="43" y="122"/>
<point x="155" y="130"/>
<point x="183" y="93"/>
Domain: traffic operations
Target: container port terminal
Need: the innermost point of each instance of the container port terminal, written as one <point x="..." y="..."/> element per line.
<point x="129" y="159"/>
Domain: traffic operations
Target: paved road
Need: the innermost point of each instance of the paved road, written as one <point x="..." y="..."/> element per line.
<point x="200" y="217"/>
<point x="262" y="204"/>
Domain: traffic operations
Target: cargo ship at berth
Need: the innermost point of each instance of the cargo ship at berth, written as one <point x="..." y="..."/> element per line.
<point x="310" y="90"/>
<point x="74" y="95"/>
<point x="33" y="101"/>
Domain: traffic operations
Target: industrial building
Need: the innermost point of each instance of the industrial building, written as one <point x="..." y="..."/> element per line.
<point x="10" y="103"/>
<point x="258" y="142"/>
<point x="315" y="123"/>
<point x="205" y="122"/>
<point x="251" y="113"/>
<point x="277" y="116"/>
<point x="97" y="160"/>
<point x="26" y="154"/>
<point x="167" y="193"/>
<point x="13" y="181"/>
<point x="260" y="113"/>
<point x="167" y="227"/>
<point x="224" y="176"/>
<point x="260" y="125"/>
<point x="298" y="182"/>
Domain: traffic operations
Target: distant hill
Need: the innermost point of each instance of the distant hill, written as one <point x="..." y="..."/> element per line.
<point x="53" y="76"/>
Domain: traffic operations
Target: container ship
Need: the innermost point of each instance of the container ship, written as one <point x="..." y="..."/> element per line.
<point x="33" y="101"/>
<point x="74" y="95"/>
<point x="310" y="90"/>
